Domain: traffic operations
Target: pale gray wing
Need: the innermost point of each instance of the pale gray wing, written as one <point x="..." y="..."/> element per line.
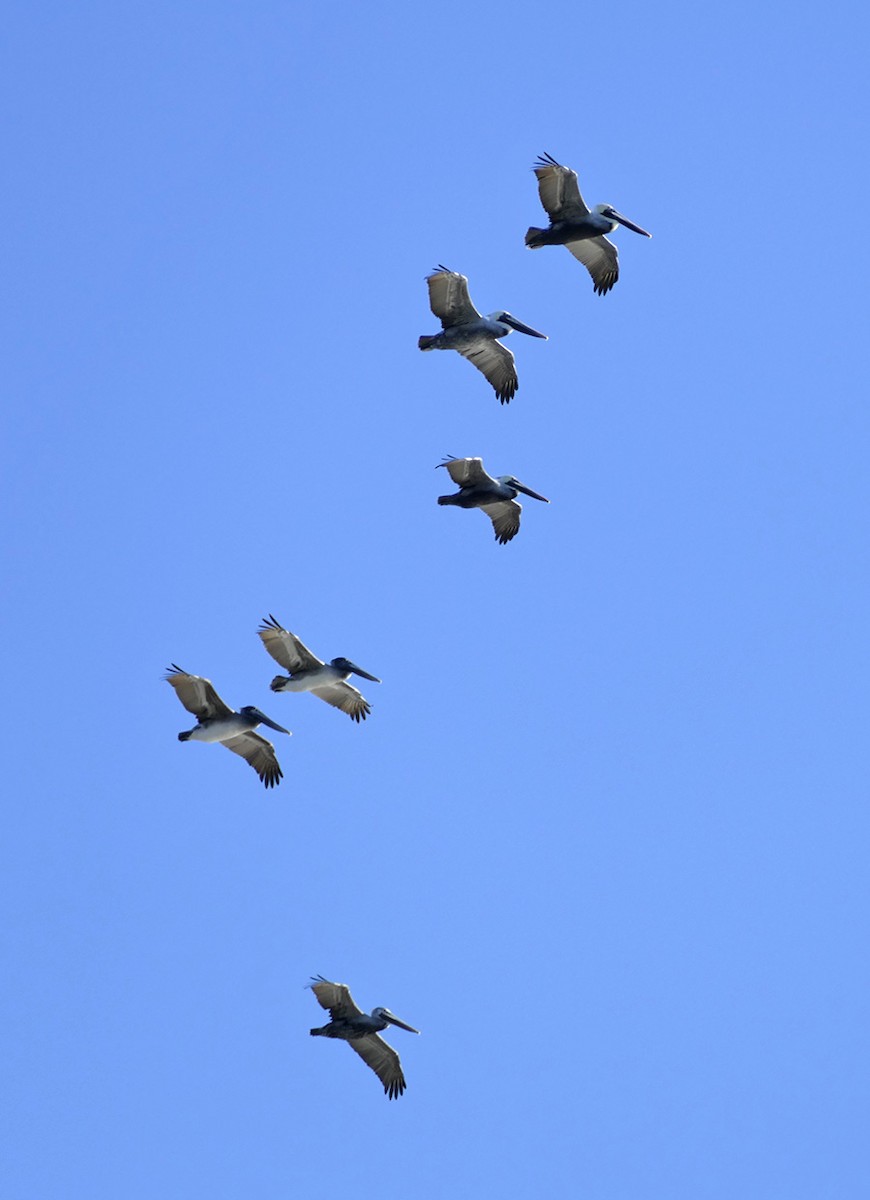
<point x="259" y="753"/>
<point x="383" y="1060"/>
<point x="448" y="298"/>
<point x="505" y="517"/>
<point x="197" y="694"/>
<point x="335" y="997"/>
<point x="598" y="255"/>
<point x="467" y="472"/>
<point x="497" y="364"/>
<point x="559" y="190"/>
<point x="285" y="647"/>
<point x="341" y="695"/>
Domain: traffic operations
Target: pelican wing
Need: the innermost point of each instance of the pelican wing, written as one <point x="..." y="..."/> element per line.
<point x="259" y="753"/>
<point x="467" y="472"/>
<point x="197" y="694"/>
<point x="383" y="1060"/>
<point x="335" y="998"/>
<point x="559" y="190"/>
<point x="598" y="255"/>
<point x="505" y="517"/>
<point x="497" y="364"/>
<point x="341" y="695"/>
<point x="448" y="298"/>
<point x="286" y="648"/>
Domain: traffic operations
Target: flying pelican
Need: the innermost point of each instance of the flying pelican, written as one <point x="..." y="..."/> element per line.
<point x="495" y="496"/>
<point x="573" y="226"/>
<point x="346" y="1021"/>
<point x="217" y="722"/>
<point x="474" y="336"/>
<point x="308" y="673"/>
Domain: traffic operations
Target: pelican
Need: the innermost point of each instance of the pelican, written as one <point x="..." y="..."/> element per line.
<point x="308" y="673"/>
<point x="474" y="336"/>
<point x="217" y="722"/>
<point x="346" y="1021"/>
<point x="495" y="496"/>
<point x="573" y="226"/>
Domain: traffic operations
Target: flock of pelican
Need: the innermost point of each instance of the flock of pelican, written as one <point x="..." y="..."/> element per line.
<point x="573" y="226"/>
<point x="478" y="338"/>
<point x="217" y="722"/>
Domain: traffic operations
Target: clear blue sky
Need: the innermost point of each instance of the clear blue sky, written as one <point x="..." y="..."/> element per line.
<point x="604" y="837"/>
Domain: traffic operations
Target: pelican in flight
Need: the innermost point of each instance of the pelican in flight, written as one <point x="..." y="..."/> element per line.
<point x="573" y="226"/>
<point x="308" y="673"/>
<point x="217" y="722"/>
<point x="346" y="1021"/>
<point x="495" y="496"/>
<point x="474" y="336"/>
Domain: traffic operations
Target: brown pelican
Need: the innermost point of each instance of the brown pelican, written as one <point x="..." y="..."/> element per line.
<point x="474" y="336"/>
<point x="346" y="1021"/>
<point x="495" y="496"/>
<point x="217" y="722"/>
<point x="308" y="673"/>
<point x="573" y="226"/>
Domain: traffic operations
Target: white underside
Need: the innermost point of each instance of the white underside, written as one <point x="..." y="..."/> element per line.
<point x="315" y="680"/>
<point x="217" y="731"/>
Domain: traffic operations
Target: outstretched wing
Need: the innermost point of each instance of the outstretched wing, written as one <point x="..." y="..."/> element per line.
<point x="497" y="364"/>
<point x="285" y="647"/>
<point x="383" y="1060"/>
<point x="259" y="753"/>
<point x="197" y="694"/>
<point x="335" y="997"/>
<point x="598" y="255"/>
<point x="467" y="472"/>
<point x="449" y="299"/>
<point x="505" y="517"/>
<point x="559" y="190"/>
<point x="342" y="695"/>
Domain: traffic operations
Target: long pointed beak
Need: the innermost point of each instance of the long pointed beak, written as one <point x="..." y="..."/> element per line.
<point x="388" y="1016"/>
<point x="628" y="224"/>
<point x="528" y="492"/>
<point x="521" y="328"/>
<point x="365" y="675"/>
<point x="264" y="720"/>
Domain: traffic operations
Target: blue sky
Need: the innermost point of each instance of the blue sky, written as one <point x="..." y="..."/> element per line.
<point x="604" y="837"/>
